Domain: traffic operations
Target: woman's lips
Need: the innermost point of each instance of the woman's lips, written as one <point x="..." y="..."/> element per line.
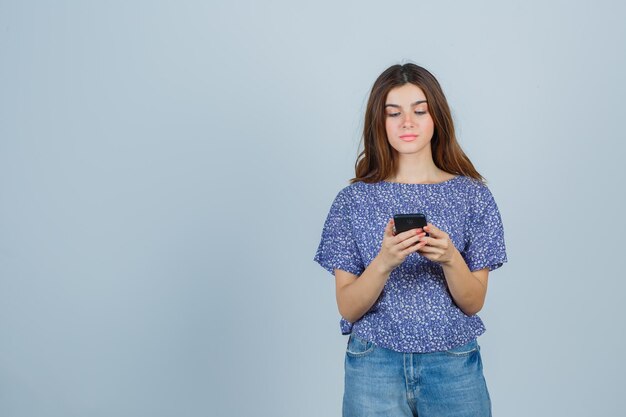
<point x="408" y="138"/>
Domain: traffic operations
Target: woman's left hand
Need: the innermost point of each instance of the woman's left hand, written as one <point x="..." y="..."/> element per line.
<point x="439" y="247"/>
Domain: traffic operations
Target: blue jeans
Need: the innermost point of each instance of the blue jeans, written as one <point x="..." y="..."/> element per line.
<point x="383" y="382"/>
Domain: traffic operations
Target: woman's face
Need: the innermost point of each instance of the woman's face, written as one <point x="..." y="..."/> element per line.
<point x="408" y="123"/>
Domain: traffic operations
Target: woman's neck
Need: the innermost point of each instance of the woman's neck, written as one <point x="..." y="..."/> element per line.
<point x="418" y="171"/>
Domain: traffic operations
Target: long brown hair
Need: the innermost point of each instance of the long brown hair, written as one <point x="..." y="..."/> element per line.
<point x="377" y="161"/>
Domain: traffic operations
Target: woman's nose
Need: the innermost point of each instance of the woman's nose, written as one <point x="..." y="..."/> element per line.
<point x="408" y="121"/>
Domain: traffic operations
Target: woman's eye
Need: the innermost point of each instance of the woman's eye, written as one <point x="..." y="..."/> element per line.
<point x="393" y="114"/>
<point x="419" y="113"/>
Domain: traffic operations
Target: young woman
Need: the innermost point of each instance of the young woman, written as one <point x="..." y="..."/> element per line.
<point x="409" y="300"/>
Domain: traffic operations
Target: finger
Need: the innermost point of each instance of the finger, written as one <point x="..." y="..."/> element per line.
<point x="416" y="248"/>
<point x="389" y="228"/>
<point x="432" y="254"/>
<point x="432" y="242"/>
<point x="434" y="231"/>
<point x="431" y="250"/>
<point x="405" y="235"/>
<point x="410" y="241"/>
<point x="413" y="247"/>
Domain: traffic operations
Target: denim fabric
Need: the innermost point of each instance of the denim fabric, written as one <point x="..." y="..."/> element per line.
<point x="383" y="382"/>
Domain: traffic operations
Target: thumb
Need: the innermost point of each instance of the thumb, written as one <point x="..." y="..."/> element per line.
<point x="389" y="228"/>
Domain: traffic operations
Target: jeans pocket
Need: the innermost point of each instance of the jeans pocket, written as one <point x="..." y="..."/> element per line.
<point x="358" y="347"/>
<point x="464" y="350"/>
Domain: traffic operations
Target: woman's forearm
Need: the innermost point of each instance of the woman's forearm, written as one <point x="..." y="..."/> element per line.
<point x="356" y="298"/>
<point x="467" y="291"/>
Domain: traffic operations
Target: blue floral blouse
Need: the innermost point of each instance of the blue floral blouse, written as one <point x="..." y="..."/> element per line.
<point x="415" y="312"/>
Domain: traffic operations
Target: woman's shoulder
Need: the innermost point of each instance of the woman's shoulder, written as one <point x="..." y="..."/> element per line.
<point x="471" y="185"/>
<point x="356" y="188"/>
<point x="355" y="194"/>
<point x="478" y="194"/>
<point x="346" y="193"/>
<point x="471" y="192"/>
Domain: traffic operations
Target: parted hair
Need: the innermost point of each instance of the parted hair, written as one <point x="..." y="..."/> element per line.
<point x="377" y="161"/>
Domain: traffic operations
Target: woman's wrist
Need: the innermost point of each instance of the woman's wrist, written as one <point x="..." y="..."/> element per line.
<point x="380" y="266"/>
<point x="454" y="259"/>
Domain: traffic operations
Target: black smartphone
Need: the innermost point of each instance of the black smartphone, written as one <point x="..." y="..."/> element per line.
<point x="404" y="222"/>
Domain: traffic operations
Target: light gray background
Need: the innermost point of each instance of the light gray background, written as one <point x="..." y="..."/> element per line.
<point x="166" y="168"/>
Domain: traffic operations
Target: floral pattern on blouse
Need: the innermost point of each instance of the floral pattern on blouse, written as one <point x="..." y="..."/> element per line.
<point x="415" y="312"/>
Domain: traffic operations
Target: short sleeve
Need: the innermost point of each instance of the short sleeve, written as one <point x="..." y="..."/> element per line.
<point x="338" y="248"/>
<point x="484" y="243"/>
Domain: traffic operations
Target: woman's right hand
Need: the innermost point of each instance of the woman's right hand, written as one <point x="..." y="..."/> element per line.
<point x="395" y="248"/>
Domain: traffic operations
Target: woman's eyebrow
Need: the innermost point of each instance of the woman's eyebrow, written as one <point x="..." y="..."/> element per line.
<point x="412" y="104"/>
